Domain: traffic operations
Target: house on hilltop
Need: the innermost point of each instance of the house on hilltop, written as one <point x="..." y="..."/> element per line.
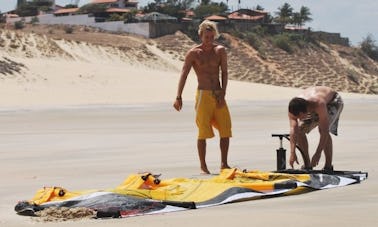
<point x="248" y="15"/>
<point x="157" y="17"/>
<point x="216" y="18"/>
<point x="66" y="11"/>
<point x="242" y="20"/>
<point x="116" y="8"/>
<point x="122" y="4"/>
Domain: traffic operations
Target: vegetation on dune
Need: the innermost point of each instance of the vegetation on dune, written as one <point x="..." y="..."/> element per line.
<point x="369" y="47"/>
<point x="291" y="58"/>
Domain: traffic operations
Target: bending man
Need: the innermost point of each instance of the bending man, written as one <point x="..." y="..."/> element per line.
<point x="315" y="106"/>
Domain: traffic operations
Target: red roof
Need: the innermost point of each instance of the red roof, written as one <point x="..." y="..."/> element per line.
<point x="238" y="16"/>
<point x="291" y="27"/>
<point x="215" y="18"/>
<point x="186" y="19"/>
<point x="260" y="11"/>
<point x="69" y="10"/>
<point x="10" y="15"/>
<point x="112" y="1"/>
<point x="103" y="1"/>
<point x="117" y="10"/>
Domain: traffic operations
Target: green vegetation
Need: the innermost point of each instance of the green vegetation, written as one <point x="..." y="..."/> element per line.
<point x="68" y="29"/>
<point x="177" y="8"/>
<point x="19" y="24"/>
<point x="116" y="17"/>
<point x="353" y="76"/>
<point x="286" y="15"/>
<point x="32" y="8"/>
<point x="3" y="19"/>
<point x="34" y="20"/>
<point x="283" y="42"/>
<point x="173" y="8"/>
<point x="70" y="6"/>
<point x="369" y="47"/>
<point x="93" y="8"/>
<point x="208" y="8"/>
<point x="192" y="32"/>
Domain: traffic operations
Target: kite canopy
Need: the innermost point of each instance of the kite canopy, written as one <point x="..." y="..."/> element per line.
<point x="141" y="194"/>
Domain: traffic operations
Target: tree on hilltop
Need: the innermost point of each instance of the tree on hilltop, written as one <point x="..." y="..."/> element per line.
<point x="20" y="2"/>
<point x="304" y="15"/>
<point x="259" y="8"/>
<point x="175" y="8"/>
<point x="369" y="47"/>
<point x="70" y="6"/>
<point x="3" y="19"/>
<point x="32" y="8"/>
<point x="208" y="8"/>
<point x="284" y="14"/>
<point x="93" y="8"/>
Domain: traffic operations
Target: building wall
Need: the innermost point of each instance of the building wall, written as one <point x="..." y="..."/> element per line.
<point x="73" y="20"/>
<point x="142" y="29"/>
<point x="334" y="38"/>
<point x="158" y="29"/>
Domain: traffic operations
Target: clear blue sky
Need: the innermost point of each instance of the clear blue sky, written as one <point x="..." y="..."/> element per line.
<point x="353" y="19"/>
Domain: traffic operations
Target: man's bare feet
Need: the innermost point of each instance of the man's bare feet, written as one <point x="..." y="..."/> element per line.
<point x="204" y="171"/>
<point x="225" y="166"/>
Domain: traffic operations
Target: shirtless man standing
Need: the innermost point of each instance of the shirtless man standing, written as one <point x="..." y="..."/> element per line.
<point x="315" y="106"/>
<point x="208" y="59"/>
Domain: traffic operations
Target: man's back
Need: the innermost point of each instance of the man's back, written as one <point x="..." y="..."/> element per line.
<point x="318" y="94"/>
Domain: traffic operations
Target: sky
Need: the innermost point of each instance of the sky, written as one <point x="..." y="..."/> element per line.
<point x="352" y="19"/>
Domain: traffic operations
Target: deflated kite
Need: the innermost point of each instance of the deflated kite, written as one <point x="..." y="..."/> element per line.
<point x="141" y="194"/>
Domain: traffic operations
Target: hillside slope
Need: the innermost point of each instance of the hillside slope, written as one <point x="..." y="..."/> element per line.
<point x="343" y="68"/>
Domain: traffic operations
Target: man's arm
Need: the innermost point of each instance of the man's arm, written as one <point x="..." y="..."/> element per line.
<point x="184" y="75"/>
<point x="224" y="75"/>
<point x="224" y="68"/>
<point x="293" y="139"/>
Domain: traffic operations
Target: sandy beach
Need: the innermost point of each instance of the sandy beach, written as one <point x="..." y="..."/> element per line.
<point x="89" y="124"/>
<point x="96" y="147"/>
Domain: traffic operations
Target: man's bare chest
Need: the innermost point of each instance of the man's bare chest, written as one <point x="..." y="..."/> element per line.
<point x="207" y="59"/>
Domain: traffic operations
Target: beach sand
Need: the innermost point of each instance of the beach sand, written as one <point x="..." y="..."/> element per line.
<point x="89" y="124"/>
<point x="96" y="147"/>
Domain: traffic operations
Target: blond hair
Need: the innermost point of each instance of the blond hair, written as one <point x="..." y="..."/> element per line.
<point x="208" y="25"/>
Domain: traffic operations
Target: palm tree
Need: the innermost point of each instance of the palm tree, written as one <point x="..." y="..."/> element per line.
<point x="260" y="8"/>
<point x="304" y="15"/>
<point x="296" y="19"/>
<point x="284" y="14"/>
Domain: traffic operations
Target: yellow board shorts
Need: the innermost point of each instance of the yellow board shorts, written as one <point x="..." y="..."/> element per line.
<point x="209" y="116"/>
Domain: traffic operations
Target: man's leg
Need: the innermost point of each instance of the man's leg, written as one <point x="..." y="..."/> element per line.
<point x="224" y="144"/>
<point x="201" y="146"/>
<point x="328" y="151"/>
<point x="303" y="145"/>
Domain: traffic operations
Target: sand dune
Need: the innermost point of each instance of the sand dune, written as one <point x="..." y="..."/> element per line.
<point x="57" y="72"/>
